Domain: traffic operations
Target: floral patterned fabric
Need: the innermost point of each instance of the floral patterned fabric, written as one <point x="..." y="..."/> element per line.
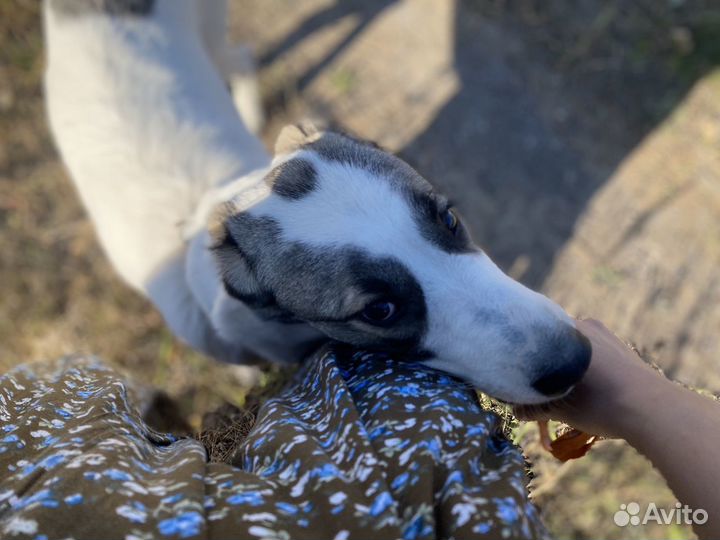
<point x="359" y="446"/>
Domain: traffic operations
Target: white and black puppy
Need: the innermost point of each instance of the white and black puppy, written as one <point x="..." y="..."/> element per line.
<point x="334" y="237"/>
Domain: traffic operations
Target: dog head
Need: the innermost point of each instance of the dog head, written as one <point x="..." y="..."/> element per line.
<point x="354" y="242"/>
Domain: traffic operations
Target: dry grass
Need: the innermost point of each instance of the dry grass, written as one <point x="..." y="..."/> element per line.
<point x="224" y="430"/>
<point x="60" y="295"/>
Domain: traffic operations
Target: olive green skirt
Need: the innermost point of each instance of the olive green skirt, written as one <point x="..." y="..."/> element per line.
<point x="357" y="446"/>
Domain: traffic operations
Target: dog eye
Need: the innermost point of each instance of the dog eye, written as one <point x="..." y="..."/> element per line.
<point x="379" y="312"/>
<point x="450" y="220"/>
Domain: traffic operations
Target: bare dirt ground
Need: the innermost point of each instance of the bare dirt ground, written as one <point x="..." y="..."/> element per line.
<point x="580" y="139"/>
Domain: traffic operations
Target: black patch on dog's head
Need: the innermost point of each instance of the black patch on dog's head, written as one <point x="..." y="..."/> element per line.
<point x="137" y="8"/>
<point x="427" y="205"/>
<point x="327" y="288"/>
<point x="293" y="179"/>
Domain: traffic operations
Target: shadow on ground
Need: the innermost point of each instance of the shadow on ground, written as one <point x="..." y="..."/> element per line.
<point x="552" y="97"/>
<point x="578" y="138"/>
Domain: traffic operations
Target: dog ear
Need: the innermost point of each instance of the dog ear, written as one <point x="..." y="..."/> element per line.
<point x="235" y="268"/>
<point x="294" y="136"/>
<point x="216" y="223"/>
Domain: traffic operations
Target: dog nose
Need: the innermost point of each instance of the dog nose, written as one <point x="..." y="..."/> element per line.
<point x="567" y="369"/>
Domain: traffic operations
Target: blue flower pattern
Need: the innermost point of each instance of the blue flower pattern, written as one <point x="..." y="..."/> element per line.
<point x="359" y="445"/>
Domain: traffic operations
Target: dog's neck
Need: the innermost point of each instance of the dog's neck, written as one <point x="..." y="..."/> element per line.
<point x="152" y="139"/>
<point x="134" y="102"/>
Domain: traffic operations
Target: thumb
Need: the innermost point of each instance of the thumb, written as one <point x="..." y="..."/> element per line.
<point x="529" y="413"/>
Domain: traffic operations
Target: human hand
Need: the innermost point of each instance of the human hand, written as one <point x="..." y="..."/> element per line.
<point x="613" y="393"/>
<point x="677" y="429"/>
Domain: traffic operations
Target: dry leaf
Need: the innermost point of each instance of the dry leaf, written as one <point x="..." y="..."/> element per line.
<point x="571" y="445"/>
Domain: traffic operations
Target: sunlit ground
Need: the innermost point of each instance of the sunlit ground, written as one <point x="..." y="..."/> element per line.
<point x="631" y="97"/>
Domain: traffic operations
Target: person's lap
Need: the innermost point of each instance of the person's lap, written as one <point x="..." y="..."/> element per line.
<point x="357" y="445"/>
